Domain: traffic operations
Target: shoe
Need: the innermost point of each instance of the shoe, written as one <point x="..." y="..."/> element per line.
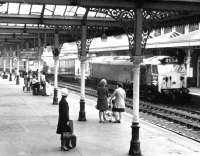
<point x="69" y="147"/>
<point x="63" y="148"/>
<point x="100" y="121"/>
<point x="117" y="121"/>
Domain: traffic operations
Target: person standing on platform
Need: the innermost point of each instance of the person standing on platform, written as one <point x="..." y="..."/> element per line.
<point x="25" y="82"/>
<point x="102" y="99"/>
<point x="35" y="85"/>
<point x="65" y="127"/>
<point x="118" y="107"/>
<point x="29" y="79"/>
<point x="43" y="83"/>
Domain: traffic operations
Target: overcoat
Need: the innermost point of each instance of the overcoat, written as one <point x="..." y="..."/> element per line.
<point x="63" y="117"/>
<point x="102" y="93"/>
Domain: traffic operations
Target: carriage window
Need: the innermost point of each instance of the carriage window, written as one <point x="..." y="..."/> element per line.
<point x="154" y="69"/>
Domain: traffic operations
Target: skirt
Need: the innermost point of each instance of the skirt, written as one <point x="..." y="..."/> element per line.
<point x="118" y="109"/>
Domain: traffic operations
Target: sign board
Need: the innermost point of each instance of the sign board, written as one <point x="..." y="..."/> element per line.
<point x="29" y="56"/>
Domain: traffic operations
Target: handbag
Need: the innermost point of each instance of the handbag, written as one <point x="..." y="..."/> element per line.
<point x="70" y="126"/>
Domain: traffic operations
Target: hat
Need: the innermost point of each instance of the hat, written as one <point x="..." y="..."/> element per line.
<point x="103" y="82"/>
<point x="64" y="92"/>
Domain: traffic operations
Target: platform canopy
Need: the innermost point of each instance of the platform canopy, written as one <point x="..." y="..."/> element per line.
<point x="22" y="20"/>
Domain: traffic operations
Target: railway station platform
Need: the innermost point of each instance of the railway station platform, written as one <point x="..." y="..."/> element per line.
<point x="28" y="128"/>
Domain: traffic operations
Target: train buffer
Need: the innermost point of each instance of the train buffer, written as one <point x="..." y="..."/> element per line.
<point x="28" y="127"/>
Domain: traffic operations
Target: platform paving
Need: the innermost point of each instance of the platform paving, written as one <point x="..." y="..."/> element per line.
<point x="28" y="128"/>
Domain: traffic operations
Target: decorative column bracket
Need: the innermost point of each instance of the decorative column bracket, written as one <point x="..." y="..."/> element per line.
<point x="11" y="63"/>
<point x="92" y="31"/>
<point x="127" y="18"/>
<point x="88" y="43"/>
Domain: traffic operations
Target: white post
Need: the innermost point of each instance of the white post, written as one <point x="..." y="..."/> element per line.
<point x="4" y="65"/>
<point x="56" y="61"/>
<point x="10" y="79"/>
<point x="136" y="96"/>
<point x="83" y="80"/>
<point x="10" y="64"/>
<point x="27" y="64"/>
<point x="188" y="62"/>
<point x="18" y="51"/>
<point x="18" y="66"/>
<point x="39" y="55"/>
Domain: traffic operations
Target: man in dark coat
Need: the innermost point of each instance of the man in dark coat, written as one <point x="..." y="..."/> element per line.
<point x="63" y="119"/>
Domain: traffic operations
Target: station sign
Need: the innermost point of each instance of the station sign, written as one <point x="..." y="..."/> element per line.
<point x="29" y="54"/>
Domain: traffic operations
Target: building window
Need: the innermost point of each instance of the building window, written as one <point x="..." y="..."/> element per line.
<point x="193" y="27"/>
<point x="167" y="30"/>
<point x="180" y="29"/>
<point x="157" y="32"/>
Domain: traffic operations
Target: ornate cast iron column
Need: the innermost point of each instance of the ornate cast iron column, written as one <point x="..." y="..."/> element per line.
<point x="56" y="52"/>
<point x="17" y="56"/>
<point x="83" y="48"/>
<point x="10" y="78"/>
<point x="4" y="61"/>
<point x="137" y="59"/>
<point x="83" y="45"/>
<point x="39" y="55"/>
<point x="137" y="33"/>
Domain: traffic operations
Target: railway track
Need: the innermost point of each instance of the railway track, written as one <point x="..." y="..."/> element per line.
<point x="184" y="121"/>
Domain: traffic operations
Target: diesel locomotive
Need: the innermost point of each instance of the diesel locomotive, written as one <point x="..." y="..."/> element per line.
<point x="161" y="77"/>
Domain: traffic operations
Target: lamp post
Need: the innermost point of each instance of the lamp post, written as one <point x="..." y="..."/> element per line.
<point x="56" y="53"/>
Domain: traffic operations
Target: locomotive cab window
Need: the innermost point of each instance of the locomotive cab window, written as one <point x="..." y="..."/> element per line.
<point x="154" y="69"/>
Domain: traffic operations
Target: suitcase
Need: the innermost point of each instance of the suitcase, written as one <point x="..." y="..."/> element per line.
<point x="70" y="140"/>
<point x="69" y="137"/>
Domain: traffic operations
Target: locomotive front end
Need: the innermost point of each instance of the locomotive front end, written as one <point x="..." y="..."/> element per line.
<point x="172" y="80"/>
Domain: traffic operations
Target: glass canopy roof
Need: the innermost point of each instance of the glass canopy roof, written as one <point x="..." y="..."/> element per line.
<point x="110" y="17"/>
<point x="45" y="10"/>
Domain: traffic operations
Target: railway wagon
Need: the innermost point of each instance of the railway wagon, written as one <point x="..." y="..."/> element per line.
<point x="159" y="75"/>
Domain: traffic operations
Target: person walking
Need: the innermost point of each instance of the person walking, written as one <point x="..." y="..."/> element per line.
<point x="119" y="96"/>
<point x="102" y="103"/>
